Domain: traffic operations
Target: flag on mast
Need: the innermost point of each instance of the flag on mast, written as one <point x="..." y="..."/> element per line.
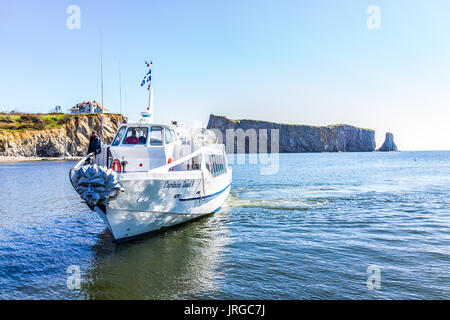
<point x="148" y="115"/>
<point x="147" y="78"/>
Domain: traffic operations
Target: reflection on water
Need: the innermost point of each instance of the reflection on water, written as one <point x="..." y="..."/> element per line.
<point x="182" y="262"/>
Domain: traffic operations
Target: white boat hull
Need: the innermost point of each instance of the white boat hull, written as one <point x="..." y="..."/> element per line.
<point x="152" y="204"/>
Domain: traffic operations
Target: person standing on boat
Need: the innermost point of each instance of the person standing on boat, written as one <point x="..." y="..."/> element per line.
<point x="94" y="143"/>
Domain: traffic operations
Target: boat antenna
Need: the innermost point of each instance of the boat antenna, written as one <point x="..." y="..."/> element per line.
<point x="101" y="76"/>
<point x="126" y="97"/>
<point x="148" y="115"/>
<point x="120" y="90"/>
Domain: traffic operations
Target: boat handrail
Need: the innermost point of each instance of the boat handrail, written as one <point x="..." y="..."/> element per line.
<point x="219" y="146"/>
<point x="173" y="164"/>
<point x="82" y="161"/>
<point x="77" y="166"/>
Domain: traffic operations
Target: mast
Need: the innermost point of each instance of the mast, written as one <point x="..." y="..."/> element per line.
<point x="126" y="97"/>
<point x="120" y="90"/>
<point x="101" y="71"/>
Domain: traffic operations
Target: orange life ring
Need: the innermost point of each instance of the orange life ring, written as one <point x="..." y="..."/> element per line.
<point x="115" y="165"/>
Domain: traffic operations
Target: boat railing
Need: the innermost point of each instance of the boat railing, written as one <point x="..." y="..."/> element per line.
<point x="78" y="165"/>
<point x="171" y="166"/>
<point x="220" y="147"/>
<point x="83" y="161"/>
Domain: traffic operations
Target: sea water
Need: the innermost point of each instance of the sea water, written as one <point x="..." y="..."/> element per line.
<point x="325" y="226"/>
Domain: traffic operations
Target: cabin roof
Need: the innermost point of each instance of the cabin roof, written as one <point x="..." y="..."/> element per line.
<point x="144" y="124"/>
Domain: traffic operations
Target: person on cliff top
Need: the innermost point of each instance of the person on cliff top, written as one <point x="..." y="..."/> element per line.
<point x="94" y="143"/>
<point x="133" y="139"/>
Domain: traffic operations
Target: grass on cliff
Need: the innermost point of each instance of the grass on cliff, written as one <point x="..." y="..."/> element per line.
<point x="19" y="122"/>
<point x="331" y="126"/>
<point x="34" y="121"/>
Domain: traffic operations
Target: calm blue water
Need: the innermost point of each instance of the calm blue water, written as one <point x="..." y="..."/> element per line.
<point x="308" y="232"/>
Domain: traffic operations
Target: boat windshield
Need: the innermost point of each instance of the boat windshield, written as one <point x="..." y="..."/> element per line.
<point x="136" y="135"/>
<point x="169" y="135"/>
<point x="119" y="136"/>
<point x="156" y="136"/>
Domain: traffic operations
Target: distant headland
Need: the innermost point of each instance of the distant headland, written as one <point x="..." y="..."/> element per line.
<point x="305" y="138"/>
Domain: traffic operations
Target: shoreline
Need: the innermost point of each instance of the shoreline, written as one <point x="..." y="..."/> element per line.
<point x="8" y="159"/>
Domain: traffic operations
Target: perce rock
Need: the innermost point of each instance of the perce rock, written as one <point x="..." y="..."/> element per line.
<point x="303" y="138"/>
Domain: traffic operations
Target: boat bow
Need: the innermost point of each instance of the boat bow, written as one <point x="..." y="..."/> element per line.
<point x="96" y="185"/>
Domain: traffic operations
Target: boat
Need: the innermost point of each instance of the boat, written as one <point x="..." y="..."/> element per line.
<point x="153" y="176"/>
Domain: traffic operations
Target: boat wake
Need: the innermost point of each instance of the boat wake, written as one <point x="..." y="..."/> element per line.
<point x="275" y="204"/>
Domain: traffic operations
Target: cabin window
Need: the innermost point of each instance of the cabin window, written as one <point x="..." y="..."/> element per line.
<point x="196" y="162"/>
<point x="208" y="163"/>
<point x="156" y="136"/>
<point x="224" y="163"/>
<point x="213" y="171"/>
<point x="224" y="167"/>
<point x="119" y="136"/>
<point x="215" y="164"/>
<point x="136" y="135"/>
<point x="168" y="136"/>
<point x="174" y="135"/>
<point x="191" y="164"/>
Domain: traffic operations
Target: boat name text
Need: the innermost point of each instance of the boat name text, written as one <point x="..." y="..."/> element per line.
<point x="178" y="184"/>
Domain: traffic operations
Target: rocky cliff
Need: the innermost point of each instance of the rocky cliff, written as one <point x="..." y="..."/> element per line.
<point x="302" y="138"/>
<point x="389" y="144"/>
<point x="70" y="139"/>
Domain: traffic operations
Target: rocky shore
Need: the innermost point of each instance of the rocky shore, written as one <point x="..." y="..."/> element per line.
<point x="69" y="140"/>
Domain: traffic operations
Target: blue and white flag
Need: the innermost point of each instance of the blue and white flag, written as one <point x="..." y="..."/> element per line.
<point x="147" y="78"/>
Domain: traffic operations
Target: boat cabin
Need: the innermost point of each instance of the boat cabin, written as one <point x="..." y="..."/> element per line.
<point x="142" y="147"/>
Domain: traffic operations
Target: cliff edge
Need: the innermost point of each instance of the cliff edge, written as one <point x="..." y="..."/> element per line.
<point x="303" y="138"/>
<point x="70" y="138"/>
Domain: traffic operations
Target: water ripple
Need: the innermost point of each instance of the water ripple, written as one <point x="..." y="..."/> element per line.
<point x="309" y="232"/>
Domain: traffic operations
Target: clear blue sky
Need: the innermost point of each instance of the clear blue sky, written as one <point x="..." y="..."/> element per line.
<point x="309" y="62"/>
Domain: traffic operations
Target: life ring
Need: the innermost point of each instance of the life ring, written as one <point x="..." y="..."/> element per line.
<point x="115" y="165"/>
<point x="169" y="161"/>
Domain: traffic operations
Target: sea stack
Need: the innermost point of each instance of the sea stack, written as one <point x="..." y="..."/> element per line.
<point x="389" y="144"/>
